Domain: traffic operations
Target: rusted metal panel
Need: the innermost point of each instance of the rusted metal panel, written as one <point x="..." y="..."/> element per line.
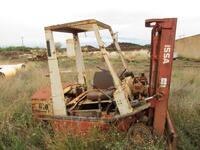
<point x="75" y="127"/>
<point x="44" y="93"/>
<point x="42" y="107"/>
<point x="42" y="100"/>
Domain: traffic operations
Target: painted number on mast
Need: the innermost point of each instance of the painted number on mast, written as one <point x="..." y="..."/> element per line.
<point x="166" y="54"/>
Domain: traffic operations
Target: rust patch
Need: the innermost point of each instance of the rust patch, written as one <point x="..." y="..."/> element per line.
<point x="45" y="92"/>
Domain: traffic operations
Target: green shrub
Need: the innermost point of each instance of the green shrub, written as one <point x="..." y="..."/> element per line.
<point x="15" y="48"/>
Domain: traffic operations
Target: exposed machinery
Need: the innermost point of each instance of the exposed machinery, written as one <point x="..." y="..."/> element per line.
<point x="122" y="100"/>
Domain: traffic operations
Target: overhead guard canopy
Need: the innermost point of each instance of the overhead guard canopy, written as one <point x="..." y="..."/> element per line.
<point x="78" y="26"/>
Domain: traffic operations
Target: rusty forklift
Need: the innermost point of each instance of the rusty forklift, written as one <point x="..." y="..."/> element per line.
<point x="122" y="100"/>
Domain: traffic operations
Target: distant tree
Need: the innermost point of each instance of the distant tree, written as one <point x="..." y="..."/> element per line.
<point x="58" y="45"/>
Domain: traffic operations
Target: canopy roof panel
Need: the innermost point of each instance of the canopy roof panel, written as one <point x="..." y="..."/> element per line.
<point x="78" y="26"/>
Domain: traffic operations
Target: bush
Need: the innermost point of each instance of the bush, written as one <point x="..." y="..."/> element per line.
<point x="15" y="48"/>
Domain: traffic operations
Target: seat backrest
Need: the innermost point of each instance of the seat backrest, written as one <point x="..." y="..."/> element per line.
<point x="102" y="80"/>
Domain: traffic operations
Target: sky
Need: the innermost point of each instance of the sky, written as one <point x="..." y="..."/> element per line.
<point x="26" y="19"/>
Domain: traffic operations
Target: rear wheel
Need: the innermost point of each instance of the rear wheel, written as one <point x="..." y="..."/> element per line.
<point x="140" y="134"/>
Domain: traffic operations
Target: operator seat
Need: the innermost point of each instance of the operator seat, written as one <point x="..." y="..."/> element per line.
<point x="103" y="82"/>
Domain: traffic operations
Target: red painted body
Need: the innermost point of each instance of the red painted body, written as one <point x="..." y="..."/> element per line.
<point x="77" y="125"/>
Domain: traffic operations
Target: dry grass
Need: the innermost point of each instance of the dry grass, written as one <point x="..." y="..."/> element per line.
<point x="15" y="116"/>
<point x="185" y="106"/>
<point x="20" y="131"/>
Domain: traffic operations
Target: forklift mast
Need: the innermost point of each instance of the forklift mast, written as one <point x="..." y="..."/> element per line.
<point x="162" y="49"/>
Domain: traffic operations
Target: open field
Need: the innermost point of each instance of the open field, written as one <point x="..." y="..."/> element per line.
<point x="20" y="131"/>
